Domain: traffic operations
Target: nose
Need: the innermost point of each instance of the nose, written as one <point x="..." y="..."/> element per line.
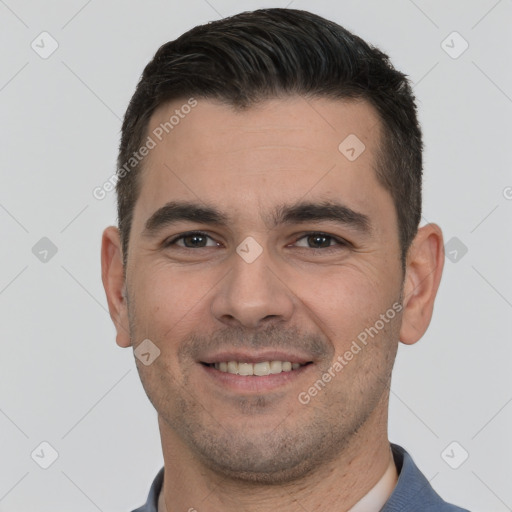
<point x="253" y="294"/>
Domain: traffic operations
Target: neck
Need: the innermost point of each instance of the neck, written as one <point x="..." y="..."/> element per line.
<point x="336" y="485"/>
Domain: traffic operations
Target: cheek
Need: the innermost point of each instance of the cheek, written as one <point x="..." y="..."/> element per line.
<point x="347" y="298"/>
<point x="167" y="300"/>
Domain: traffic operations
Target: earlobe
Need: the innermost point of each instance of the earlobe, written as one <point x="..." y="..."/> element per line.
<point x="112" y="275"/>
<point x="425" y="261"/>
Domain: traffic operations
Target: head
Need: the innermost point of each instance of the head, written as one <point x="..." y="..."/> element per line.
<point x="294" y="148"/>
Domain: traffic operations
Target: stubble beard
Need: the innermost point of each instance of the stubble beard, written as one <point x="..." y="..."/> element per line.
<point x="289" y="449"/>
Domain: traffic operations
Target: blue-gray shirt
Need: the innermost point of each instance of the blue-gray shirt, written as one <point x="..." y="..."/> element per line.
<point x="413" y="492"/>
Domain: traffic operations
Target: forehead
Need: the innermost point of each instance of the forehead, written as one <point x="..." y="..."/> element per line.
<point x="212" y="127"/>
<point x="280" y="150"/>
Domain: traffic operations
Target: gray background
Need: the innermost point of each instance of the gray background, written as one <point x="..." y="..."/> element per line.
<point x="63" y="379"/>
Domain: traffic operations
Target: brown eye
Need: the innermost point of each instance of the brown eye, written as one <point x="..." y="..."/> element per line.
<point x="320" y="241"/>
<point x="192" y="240"/>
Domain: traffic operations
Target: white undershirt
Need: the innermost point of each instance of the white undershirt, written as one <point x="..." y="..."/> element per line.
<point x="374" y="500"/>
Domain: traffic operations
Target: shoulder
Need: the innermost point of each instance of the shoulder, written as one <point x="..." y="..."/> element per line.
<point x="413" y="491"/>
<point x="151" y="504"/>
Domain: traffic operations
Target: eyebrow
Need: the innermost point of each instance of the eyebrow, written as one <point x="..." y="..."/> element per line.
<point x="176" y="211"/>
<point x="285" y="214"/>
<point x="324" y="211"/>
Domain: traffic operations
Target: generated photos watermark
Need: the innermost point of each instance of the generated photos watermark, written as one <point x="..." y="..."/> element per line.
<point x="157" y="135"/>
<point x="304" y="397"/>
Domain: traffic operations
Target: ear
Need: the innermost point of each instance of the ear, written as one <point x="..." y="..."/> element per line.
<point x="424" y="267"/>
<point x="112" y="276"/>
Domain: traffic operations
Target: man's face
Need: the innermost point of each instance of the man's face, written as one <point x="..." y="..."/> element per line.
<point x="270" y="279"/>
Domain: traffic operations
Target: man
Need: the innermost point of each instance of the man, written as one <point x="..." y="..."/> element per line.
<point x="267" y="263"/>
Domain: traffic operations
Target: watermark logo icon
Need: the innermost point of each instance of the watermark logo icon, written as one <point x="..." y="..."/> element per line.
<point x="249" y="249"/>
<point x="44" y="455"/>
<point x="146" y="352"/>
<point x="454" y="45"/>
<point x="44" y="45"/>
<point x="44" y="250"/>
<point x="352" y="147"/>
<point x="455" y="249"/>
<point x="454" y="455"/>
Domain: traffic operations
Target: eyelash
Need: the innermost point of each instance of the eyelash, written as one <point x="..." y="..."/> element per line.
<point x="340" y="242"/>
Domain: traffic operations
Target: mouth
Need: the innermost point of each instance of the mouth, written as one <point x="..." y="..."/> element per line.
<point x="251" y="376"/>
<point x="259" y="369"/>
<point x="253" y="373"/>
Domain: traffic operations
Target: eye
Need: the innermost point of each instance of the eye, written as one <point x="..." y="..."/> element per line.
<point x="191" y="240"/>
<point x="320" y="241"/>
<point x="200" y="240"/>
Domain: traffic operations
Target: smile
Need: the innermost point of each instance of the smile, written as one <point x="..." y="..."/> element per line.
<point x="260" y="369"/>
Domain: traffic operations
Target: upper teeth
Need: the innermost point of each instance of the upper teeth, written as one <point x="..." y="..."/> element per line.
<point x="261" y="369"/>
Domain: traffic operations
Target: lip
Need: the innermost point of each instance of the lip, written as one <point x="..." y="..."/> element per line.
<point x="252" y="384"/>
<point x="246" y="357"/>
